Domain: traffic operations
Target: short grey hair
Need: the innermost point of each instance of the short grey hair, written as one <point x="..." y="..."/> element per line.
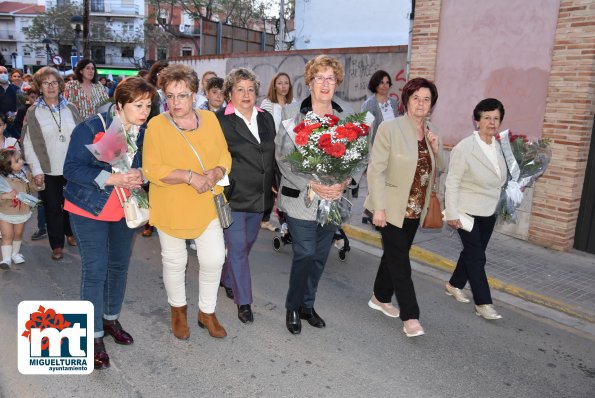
<point x="235" y="76"/>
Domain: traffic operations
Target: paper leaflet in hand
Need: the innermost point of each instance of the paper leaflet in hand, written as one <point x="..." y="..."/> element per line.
<point x="466" y="220"/>
<point x="29" y="200"/>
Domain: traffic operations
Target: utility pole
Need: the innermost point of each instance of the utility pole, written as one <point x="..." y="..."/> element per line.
<point x="86" y="46"/>
<point x="281" y="45"/>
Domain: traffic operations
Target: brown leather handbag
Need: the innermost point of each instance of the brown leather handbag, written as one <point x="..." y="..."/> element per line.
<point x="433" y="218"/>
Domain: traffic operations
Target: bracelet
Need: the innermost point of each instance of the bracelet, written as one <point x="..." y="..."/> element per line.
<point x="189" y="177"/>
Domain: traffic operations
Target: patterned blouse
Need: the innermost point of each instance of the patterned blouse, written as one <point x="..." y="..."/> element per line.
<point x="421" y="181"/>
<point x="75" y="94"/>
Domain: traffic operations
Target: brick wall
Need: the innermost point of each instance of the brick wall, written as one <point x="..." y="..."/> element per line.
<point x="568" y="123"/>
<point x="424" y="42"/>
<point x="568" y="119"/>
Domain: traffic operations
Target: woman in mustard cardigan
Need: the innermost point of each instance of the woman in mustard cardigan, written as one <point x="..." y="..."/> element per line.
<point x="181" y="201"/>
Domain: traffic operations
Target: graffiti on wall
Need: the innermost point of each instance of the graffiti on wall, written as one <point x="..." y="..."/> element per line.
<point x="358" y="70"/>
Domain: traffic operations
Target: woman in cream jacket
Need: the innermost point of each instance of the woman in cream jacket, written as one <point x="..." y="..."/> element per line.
<point x="476" y="175"/>
<point x="405" y="157"/>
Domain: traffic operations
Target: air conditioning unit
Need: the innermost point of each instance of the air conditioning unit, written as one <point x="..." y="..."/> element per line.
<point x="11" y="37"/>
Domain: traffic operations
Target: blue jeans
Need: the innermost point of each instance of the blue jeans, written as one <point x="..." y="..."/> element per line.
<point x="105" y="249"/>
<point x="239" y="239"/>
<point x="311" y="245"/>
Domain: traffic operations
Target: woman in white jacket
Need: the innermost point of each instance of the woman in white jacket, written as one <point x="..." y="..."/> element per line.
<point x="476" y="175"/>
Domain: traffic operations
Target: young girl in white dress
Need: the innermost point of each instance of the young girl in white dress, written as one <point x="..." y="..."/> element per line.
<point x="13" y="212"/>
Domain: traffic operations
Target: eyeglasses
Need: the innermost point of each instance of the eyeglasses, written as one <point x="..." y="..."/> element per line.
<point x="331" y="80"/>
<point x="49" y="84"/>
<point x="178" y="97"/>
<point x="243" y="91"/>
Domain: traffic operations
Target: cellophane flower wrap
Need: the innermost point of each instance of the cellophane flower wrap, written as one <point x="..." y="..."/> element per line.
<point x="526" y="160"/>
<point x="330" y="150"/>
<point x="117" y="147"/>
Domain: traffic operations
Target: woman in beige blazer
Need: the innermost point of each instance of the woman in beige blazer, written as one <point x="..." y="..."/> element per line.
<point x="476" y="175"/>
<point x="405" y="157"/>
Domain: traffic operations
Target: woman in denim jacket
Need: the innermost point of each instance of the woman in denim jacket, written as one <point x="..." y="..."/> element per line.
<point x="97" y="218"/>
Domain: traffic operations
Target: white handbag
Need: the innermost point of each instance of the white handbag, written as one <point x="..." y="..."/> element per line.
<point x="136" y="216"/>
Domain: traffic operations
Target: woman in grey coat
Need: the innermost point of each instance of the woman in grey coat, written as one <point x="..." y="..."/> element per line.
<point x="380" y="105"/>
<point x="311" y="242"/>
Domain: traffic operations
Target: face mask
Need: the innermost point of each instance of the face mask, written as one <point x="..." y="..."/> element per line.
<point x="3" y="78"/>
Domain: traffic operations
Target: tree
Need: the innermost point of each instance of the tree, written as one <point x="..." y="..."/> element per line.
<point x="54" y="24"/>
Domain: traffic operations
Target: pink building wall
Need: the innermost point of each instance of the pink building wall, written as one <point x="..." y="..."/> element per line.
<point x="514" y="68"/>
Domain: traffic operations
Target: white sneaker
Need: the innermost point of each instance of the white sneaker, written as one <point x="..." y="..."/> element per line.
<point x="5" y="264"/>
<point x="193" y="246"/>
<point x="487" y="311"/>
<point x="412" y="328"/>
<point x="386" y="308"/>
<point x="18" y="258"/>
<point x="457" y="293"/>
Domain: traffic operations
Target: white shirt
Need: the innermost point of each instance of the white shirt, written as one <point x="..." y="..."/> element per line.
<point x="387" y="110"/>
<point x="490" y="151"/>
<point x="252" y="124"/>
<point x="56" y="148"/>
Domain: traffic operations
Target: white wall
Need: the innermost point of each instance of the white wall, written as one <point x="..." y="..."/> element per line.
<point x="351" y="23"/>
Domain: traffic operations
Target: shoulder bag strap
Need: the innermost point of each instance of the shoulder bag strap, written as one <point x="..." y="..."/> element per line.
<point x="168" y="117"/>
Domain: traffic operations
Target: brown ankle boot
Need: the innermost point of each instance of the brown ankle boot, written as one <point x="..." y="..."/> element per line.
<point x="210" y="322"/>
<point x="179" y="322"/>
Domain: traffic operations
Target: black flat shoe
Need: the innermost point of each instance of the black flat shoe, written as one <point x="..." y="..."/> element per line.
<point x="101" y="357"/>
<point x="292" y="321"/>
<point x="245" y="313"/>
<point x="312" y="317"/>
<point x="228" y="291"/>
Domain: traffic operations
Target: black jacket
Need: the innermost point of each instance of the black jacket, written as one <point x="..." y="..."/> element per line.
<point x="253" y="163"/>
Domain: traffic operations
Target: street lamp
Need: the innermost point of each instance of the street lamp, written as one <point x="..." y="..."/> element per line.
<point x="48" y="49"/>
<point x="76" y="22"/>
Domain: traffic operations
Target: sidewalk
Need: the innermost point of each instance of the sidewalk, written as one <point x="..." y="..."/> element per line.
<point x="563" y="281"/>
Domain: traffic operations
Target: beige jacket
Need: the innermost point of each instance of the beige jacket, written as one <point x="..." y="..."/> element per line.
<point x="472" y="184"/>
<point x="392" y="168"/>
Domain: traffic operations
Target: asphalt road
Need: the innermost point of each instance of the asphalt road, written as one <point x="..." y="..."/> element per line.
<point x="361" y="353"/>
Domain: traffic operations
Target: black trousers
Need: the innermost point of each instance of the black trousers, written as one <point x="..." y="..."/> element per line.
<point x="472" y="260"/>
<point x="58" y="223"/>
<point x="394" y="272"/>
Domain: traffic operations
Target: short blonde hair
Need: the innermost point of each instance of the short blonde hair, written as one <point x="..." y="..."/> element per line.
<point x="43" y="74"/>
<point x="178" y="73"/>
<point x="320" y="62"/>
<point x="235" y="76"/>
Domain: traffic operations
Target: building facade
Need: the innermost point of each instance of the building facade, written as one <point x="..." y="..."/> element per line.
<point x="116" y="33"/>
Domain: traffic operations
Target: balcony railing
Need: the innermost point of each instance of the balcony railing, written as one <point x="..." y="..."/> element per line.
<point x="101" y="7"/>
<point x="115" y="60"/>
<point x="113" y="7"/>
<point x="115" y="36"/>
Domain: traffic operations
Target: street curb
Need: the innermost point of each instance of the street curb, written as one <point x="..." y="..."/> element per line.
<point x="442" y="263"/>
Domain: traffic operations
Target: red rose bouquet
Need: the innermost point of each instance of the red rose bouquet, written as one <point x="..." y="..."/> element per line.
<point x="330" y="150"/>
<point x="526" y="160"/>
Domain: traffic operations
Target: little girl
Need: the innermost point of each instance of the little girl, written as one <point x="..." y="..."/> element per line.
<point x="13" y="213"/>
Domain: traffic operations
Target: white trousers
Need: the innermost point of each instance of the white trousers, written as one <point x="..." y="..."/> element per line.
<point x="210" y="248"/>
